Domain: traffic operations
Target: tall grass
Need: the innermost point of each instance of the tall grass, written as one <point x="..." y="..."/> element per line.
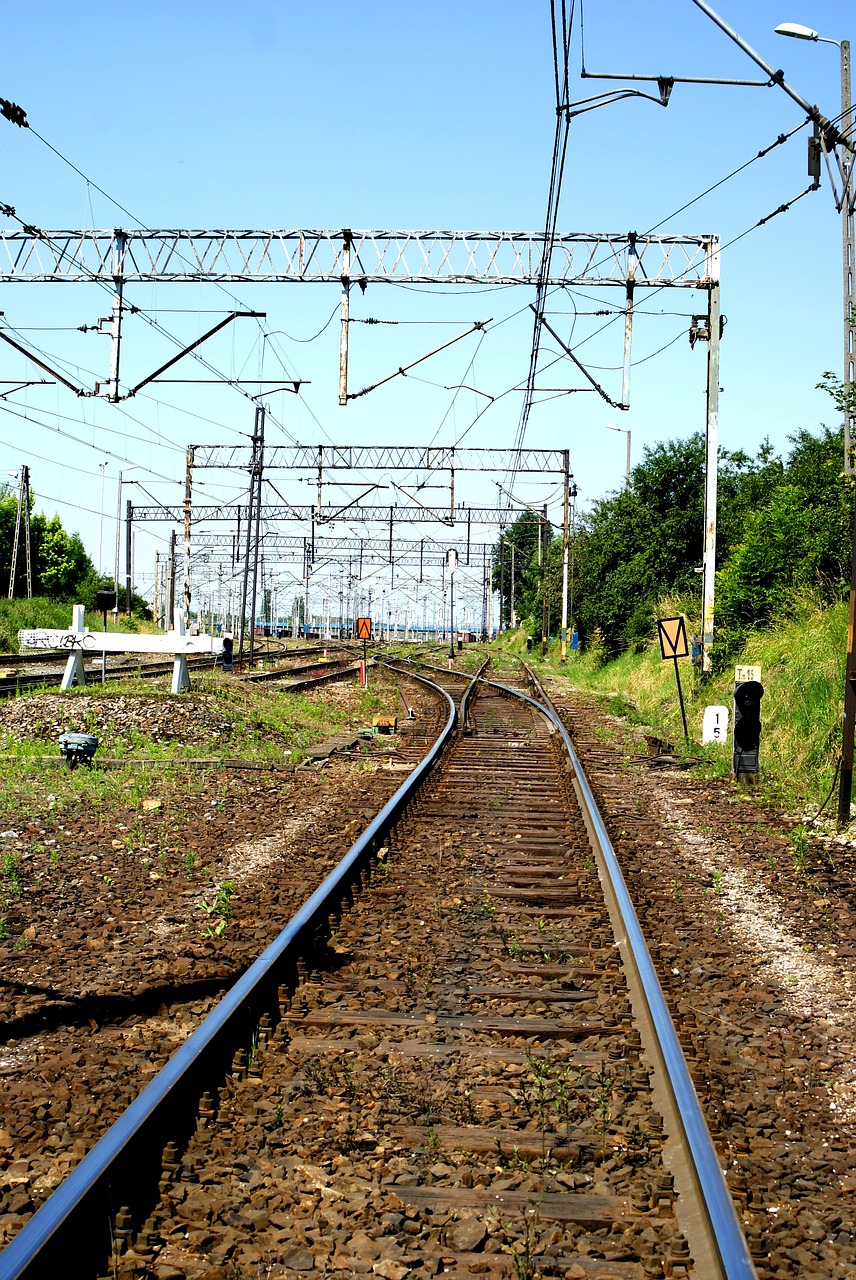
<point x="29" y="615"/>
<point x="803" y="662"/>
<point x="42" y="612"/>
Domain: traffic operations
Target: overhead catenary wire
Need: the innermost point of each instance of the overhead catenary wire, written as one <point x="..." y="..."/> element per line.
<point x="563" y="18"/>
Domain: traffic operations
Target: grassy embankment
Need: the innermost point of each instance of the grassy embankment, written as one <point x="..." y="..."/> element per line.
<point x="41" y="613"/>
<point x="802" y="661"/>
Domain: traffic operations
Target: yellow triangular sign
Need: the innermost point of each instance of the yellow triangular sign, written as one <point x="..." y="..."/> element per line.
<point x="673" y="638"/>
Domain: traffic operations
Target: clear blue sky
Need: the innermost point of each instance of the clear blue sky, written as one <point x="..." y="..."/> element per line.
<point x="387" y="115"/>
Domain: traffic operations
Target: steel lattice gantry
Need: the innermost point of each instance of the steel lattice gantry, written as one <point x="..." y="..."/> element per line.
<point x="279" y="256"/>
<point x="345" y="256"/>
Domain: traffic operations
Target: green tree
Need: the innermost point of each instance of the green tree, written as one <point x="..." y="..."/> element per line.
<point x="647" y="540"/>
<point x="62" y="562"/>
<point x="61" y="568"/>
<point x="519" y="546"/>
<point x="800" y="537"/>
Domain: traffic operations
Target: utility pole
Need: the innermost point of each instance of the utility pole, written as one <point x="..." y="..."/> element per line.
<point x="848" y="198"/>
<point x="711" y="464"/>
<point x="128" y="553"/>
<point x="188" y="507"/>
<point x="565" y="550"/>
<point x="170" y="610"/>
<point x="452" y="562"/>
<point x="501" y="578"/>
<point x="542" y="535"/>
<point x="254" y="515"/>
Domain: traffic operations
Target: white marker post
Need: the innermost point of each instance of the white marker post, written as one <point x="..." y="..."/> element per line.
<point x="78" y="641"/>
<point x="714" y="726"/>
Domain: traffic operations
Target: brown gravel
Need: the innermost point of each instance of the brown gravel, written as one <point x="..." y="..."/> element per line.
<point x="116" y="942"/>
<point x="753" y="935"/>
<point x="111" y="956"/>
<point x="43" y="717"/>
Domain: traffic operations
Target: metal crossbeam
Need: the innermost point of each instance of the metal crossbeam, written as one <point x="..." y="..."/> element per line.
<point x="403" y="257"/>
<point x="383" y="458"/>
<point x="329" y="514"/>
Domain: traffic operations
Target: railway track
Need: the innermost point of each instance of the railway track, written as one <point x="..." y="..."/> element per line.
<point x="450" y="1079"/>
<point x="25" y="671"/>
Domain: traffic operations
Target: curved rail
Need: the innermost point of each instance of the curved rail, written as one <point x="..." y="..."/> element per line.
<point x="124" y="1166"/>
<point x="723" y="1238"/>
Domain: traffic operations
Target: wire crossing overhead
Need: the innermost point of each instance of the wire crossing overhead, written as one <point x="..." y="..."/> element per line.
<point x="401" y="257"/>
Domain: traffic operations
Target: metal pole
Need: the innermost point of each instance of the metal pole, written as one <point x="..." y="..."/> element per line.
<point x="170" y="612"/>
<point x="845" y="786"/>
<point x="542" y="536"/>
<point x="513" y="619"/>
<point x="28" y="546"/>
<point x="188" y="489"/>
<point x="501" y="579"/>
<point x="128" y="517"/>
<point x="711" y="462"/>
<point x="681" y="700"/>
<point x="451" y="615"/>
<point x="346" y="317"/>
<point x="632" y="262"/>
<point x="116" y="326"/>
<point x="17" y="539"/>
<point x="847" y="201"/>
<point x="118" y="533"/>
<point x="565" y="551"/>
<point x="259" y="437"/>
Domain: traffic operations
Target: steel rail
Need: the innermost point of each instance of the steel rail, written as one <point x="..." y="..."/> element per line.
<point x="74" y="1227"/>
<point x="11" y="686"/>
<point x="722" y="1242"/>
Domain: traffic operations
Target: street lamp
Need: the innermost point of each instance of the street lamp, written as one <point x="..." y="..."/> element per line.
<point x="799" y="32"/>
<point x="610" y="426"/>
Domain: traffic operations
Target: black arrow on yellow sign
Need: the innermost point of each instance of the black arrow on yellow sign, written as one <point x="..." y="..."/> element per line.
<point x="673" y="644"/>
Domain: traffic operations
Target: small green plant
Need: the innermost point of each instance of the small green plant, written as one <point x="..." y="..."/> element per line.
<point x="603" y="1103"/>
<point x="108" y="880"/>
<point x="488" y="908"/>
<point x="253" y="1053"/>
<point x="514" y="948"/>
<point x="190" y="862"/>
<point x="523" y="1253"/>
<point x="717" y="877"/>
<point x="219" y="907"/>
<point x="10" y="872"/>
<point x="801" y="840"/>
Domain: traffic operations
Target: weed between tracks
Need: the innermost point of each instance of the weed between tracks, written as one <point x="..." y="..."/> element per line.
<point x="138" y="817"/>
